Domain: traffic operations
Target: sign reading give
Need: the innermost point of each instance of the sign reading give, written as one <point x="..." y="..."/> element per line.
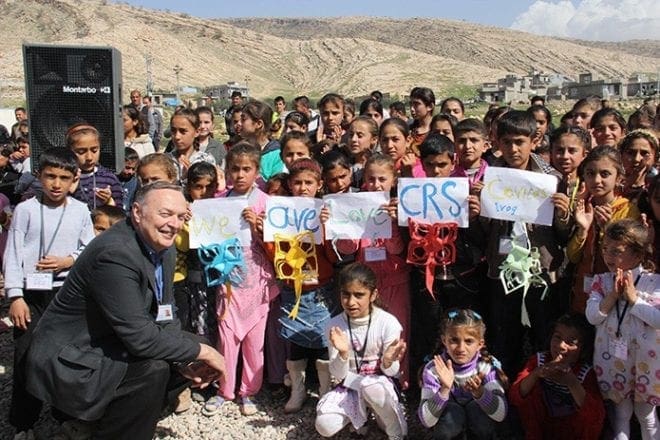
<point x="291" y="216"/>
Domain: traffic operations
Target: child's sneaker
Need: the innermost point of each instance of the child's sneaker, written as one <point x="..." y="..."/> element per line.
<point x="24" y="435"/>
<point x="247" y="406"/>
<point x="213" y="406"/>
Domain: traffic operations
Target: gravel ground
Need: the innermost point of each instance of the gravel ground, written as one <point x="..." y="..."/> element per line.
<point x="270" y="423"/>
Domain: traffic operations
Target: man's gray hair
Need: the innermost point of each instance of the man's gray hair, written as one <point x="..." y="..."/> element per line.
<point x="141" y="193"/>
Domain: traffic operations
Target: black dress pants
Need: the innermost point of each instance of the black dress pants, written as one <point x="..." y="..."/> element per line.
<point x="139" y="400"/>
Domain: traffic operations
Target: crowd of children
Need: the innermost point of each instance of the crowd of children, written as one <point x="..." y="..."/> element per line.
<point x="369" y="324"/>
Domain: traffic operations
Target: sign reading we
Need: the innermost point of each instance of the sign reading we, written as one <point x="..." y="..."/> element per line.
<point x="358" y="215"/>
<point x="216" y="220"/>
<point x="291" y="216"/>
<point x="434" y="200"/>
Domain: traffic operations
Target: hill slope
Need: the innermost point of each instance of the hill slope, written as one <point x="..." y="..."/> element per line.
<point x="350" y="55"/>
<point x="478" y="45"/>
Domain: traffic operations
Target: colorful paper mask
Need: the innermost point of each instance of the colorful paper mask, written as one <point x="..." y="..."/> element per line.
<point x="295" y="259"/>
<point x="430" y="246"/>
<point x="522" y="268"/>
<point x="223" y="264"/>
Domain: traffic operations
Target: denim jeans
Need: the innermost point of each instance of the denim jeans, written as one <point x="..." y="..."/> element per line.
<point x="316" y="308"/>
<point x="456" y="419"/>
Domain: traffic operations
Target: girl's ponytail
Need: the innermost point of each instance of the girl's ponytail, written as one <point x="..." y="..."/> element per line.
<point x="488" y="358"/>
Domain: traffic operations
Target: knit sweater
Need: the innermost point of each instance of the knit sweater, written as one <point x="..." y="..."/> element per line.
<point x="100" y="178"/>
<point x="432" y="404"/>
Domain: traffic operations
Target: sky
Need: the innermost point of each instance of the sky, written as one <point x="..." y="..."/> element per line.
<point x="605" y="20"/>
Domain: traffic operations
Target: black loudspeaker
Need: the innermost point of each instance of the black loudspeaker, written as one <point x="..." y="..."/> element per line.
<point x="65" y="85"/>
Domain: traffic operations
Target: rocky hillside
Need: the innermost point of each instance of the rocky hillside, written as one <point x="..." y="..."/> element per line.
<point x="478" y="45"/>
<point x="349" y="55"/>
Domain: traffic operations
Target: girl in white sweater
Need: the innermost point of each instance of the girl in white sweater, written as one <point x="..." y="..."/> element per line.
<point x="365" y="351"/>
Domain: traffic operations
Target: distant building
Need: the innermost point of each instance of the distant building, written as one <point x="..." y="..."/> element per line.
<point x="589" y="84"/>
<point x="224" y="91"/>
<point x="165" y="98"/>
<point x="640" y="85"/>
<point x="514" y="88"/>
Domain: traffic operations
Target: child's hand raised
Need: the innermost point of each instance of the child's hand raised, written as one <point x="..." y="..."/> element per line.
<point x="602" y="215"/>
<point x="557" y="371"/>
<point x="445" y="373"/>
<point x="339" y="340"/>
<point x="407" y="163"/>
<point x="584" y="214"/>
<point x="562" y="205"/>
<point x="474" y="386"/>
<point x="76" y="182"/>
<point x="394" y="352"/>
<point x="649" y="227"/>
<point x="222" y="181"/>
<point x="184" y="162"/>
<point x="628" y="290"/>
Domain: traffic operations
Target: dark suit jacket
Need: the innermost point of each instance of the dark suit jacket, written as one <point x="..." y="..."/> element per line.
<point x="102" y="319"/>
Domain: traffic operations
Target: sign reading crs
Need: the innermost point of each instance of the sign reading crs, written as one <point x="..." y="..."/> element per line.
<point x="86" y="90"/>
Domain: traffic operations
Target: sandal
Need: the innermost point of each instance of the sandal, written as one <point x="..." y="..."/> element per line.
<point x="248" y="407"/>
<point x="213" y="406"/>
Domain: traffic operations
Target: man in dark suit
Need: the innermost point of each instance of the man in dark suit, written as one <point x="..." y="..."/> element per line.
<point x="103" y="351"/>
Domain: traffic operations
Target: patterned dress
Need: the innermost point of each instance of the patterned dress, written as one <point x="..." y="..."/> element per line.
<point x="634" y="372"/>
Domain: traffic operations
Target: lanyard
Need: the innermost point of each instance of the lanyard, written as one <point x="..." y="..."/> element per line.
<point x="360" y="353"/>
<point x="42" y="236"/>
<point x="84" y="190"/>
<point x="620" y="315"/>
<point x="462" y="172"/>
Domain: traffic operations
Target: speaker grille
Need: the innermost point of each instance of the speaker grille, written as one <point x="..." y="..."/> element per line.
<point x="66" y="85"/>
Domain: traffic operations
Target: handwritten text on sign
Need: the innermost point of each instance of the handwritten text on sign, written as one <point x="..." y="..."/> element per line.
<point x="358" y="215"/>
<point x="518" y="195"/>
<point x="434" y="200"/>
<point x="291" y="216"/>
<point x="216" y="220"/>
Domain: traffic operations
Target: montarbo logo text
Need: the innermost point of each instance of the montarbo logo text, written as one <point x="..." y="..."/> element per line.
<point x="86" y="90"/>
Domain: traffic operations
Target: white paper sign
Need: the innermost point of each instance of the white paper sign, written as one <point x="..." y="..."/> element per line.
<point x="291" y="216"/>
<point x="358" y="215"/>
<point x="434" y="200"/>
<point x="517" y="195"/>
<point x="216" y="220"/>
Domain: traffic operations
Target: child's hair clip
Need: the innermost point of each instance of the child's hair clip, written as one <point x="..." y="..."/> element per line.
<point x="476" y="315"/>
<point x="496" y="363"/>
<point x="453" y="314"/>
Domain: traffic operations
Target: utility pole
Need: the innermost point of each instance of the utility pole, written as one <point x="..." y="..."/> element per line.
<point x="247" y="87"/>
<point x="177" y="70"/>
<point x="148" y="60"/>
